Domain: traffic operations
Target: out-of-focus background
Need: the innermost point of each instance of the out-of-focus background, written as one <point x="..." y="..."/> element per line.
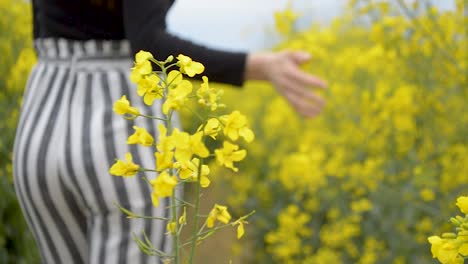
<point x="249" y="25"/>
<point x="243" y="24"/>
<point x="366" y="182"/>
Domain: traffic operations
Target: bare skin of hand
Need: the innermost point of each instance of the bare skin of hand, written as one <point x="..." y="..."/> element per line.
<point x="283" y="71"/>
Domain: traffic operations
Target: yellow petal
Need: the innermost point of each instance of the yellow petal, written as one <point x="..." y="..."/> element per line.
<point x="210" y="221"/>
<point x="184" y="59"/>
<point x="117" y="169"/>
<point x="183" y="218"/>
<point x="462" y="203"/>
<point x="135" y="76"/>
<point x="205" y="182"/>
<point x="174" y="77"/>
<point x="247" y="134"/>
<point x="154" y="199"/>
<point x="142" y="56"/>
<point x="240" y="230"/>
<point x="144" y="68"/>
<point x="463" y="250"/>
<point x="128" y="157"/>
<point x="239" y="155"/>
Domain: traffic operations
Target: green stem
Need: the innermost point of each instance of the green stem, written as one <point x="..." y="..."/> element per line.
<point x="197" y="207"/>
<point x="148" y="248"/>
<point x="215" y="229"/>
<point x="168" y="124"/>
<point x="149" y="217"/>
<point x="185" y="202"/>
<point x="153" y="117"/>
<point x="171" y="65"/>
<point x="226" y="225"/>
<point x="202" y="228"/>
<point x="130" y="214"/>
<point x="176" y="235"/>
<point x="195" y="113"/>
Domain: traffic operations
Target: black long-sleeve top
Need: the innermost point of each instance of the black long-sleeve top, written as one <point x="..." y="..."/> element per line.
<point x="142" y="22"/>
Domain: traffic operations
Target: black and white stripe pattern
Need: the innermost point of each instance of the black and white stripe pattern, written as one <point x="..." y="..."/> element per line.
<point x="67" y="139"/>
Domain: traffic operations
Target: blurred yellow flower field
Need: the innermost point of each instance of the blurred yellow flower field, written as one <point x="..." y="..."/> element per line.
<point x="374" y="179"/>
<point x="16" y="60"/>
<point x="377" y="173"/>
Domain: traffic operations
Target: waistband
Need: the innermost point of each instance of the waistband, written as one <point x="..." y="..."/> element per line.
<point x="66" y="49"/>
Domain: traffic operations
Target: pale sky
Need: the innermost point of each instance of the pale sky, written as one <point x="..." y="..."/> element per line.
<point x="247" y="25"/>
<point x="241" y="24"/>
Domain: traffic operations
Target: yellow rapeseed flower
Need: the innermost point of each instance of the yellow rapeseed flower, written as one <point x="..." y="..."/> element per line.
<point x="177" y="95"/>
<point x="163" y="186"/>
<point x="188" y="66"/>
<point x="122" y="107"/>
<point x="171" y="227"/>
<point x="165" y="143"/>
<point x="462" y="203"/>
<point x="362" y="205"/>
<point x="229" y="154"/>
<point x="219" y="213"/>
<point x="448" y="253"/>
<point x="174" y="77"/>
<point x="284" y="21"/>
<point x="165" y="147"/>
<point x="149" y="87"/>
<point x="143" y="56"/>
<point x="427" y="194"/>
<point x="164" y="160"/>
<point x="124" y="168"/>
<point x="183" y="218"/>
<point x="445" y="250"/>
<point x="240" y="228"/>
<point x="209" y="96"/>
<point x="189" y="171"/>
<point x="211" y="128"/>
<point x="142" y="66"/>
<point x="188" y="145"/>
<point x="141" y="136"/>
<point x="235" y="126"/>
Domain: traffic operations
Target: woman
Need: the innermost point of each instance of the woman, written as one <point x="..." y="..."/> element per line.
<point x="68" y="137"/>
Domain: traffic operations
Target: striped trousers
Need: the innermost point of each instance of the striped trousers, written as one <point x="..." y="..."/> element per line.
<point x="66" y="141"/>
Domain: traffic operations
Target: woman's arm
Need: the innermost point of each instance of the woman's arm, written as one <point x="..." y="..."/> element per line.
<point x="145" y="28"/>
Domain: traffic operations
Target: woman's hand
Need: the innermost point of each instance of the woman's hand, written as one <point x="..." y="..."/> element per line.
<point x="283" y="71"/>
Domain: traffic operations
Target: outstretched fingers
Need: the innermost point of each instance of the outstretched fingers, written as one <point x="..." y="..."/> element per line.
<point x="302" y="105"/>
<point x="297" y="75"/>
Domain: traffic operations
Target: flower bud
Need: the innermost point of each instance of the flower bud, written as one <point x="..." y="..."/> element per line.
<point x="171" y="227"/>
<point x="449" y="235"/>
<point x="455" y="221"/>
<point x="169" y="59"/>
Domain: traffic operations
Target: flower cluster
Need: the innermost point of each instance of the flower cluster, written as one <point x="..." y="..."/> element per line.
<point x="452" y="248"/>
<point x="181" y="157"/>
<point x="284" y="21"/>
